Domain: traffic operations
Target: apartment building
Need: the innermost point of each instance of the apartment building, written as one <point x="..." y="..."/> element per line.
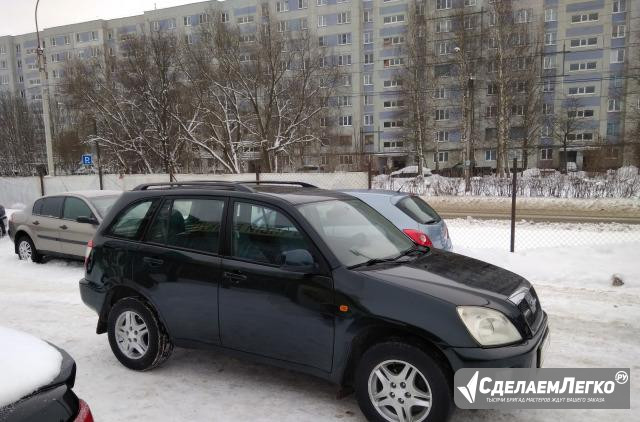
<point x="588" y="51"/>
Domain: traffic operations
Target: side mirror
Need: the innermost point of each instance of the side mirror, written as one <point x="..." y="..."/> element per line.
<point x="298" y="260"/>
<point x="87" y="220"/>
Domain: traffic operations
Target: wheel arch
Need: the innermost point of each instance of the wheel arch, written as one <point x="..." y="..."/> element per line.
<point x="19" y="233"/>
<point x="117" y="293"/>
<point x="385" y="331"/>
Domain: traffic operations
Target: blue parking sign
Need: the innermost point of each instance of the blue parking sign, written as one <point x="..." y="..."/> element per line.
<point x="87" y="159"/>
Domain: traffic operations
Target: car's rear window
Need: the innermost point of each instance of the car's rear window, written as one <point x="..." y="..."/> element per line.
<point x="52" y="206"/>
<point x="418" y="210"/>
<point x="130" y="223"/>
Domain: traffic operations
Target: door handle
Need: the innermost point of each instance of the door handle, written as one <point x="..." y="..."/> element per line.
<point x="64" y="227"/>
<point x="234" y="277"/>
<point x="153" y="262"/>
<point x="35" y="223"/>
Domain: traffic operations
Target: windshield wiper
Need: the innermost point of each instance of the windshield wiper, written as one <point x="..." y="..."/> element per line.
<point x="374" y="261"/>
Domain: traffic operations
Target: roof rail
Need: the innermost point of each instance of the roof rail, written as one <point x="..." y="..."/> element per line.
<point x="197" y="184"/>
<point x="222" y="184"/>
<point x="275" y="182"/>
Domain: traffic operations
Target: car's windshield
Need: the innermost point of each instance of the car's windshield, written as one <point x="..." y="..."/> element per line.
<point x="103" y="204"/>
<point x="355" y="232"/>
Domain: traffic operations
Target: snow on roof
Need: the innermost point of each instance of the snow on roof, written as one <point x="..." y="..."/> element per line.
<point x="411" y="170"/>
<point x="26" y="364"/>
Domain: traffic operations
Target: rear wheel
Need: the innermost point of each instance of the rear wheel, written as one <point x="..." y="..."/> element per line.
<point x="27" y="250"/>
<point x="136" y="336"/>
<point x="398" y="382"/>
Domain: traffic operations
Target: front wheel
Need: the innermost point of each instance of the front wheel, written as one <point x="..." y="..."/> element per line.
<point x="398" y="382"/>
<point x="136" y="336"/>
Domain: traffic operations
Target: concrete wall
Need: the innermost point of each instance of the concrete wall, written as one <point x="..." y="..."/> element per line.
<point x="24" y="190"/>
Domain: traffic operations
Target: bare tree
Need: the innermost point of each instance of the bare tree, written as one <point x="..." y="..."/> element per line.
<point x="418" y="82"/>
<point x="21" y="136"/>
<point x="565" y="124"/>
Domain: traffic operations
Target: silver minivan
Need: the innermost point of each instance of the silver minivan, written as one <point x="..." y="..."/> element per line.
<point x="409" y="213"/>
<point x="59" y="225"/>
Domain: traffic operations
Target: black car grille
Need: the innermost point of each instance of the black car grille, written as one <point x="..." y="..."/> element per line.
<point x="531" y="311"/>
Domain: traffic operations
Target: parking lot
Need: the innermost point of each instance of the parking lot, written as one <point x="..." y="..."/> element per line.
<point x="593" y="325"/>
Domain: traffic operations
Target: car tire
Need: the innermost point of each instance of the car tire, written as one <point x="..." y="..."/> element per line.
<point x="136" y="335"/>
<point x="27" y="250"/>
<point x="409" y="376"/>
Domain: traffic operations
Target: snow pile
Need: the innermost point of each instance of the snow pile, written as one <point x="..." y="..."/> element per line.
<point x="532" y="183"/>
<point x="26" y="364"/>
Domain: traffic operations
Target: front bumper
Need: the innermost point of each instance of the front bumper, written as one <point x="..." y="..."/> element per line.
<point x="523" y="355"/>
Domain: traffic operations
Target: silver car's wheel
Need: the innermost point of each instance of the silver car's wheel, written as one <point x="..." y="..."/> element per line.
<point x="399" y="392"/>
<point x="25" y="251"/>
<point x="132" y="335"/>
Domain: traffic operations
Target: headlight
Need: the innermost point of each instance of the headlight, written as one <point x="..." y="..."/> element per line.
<point x="488" y="326"/>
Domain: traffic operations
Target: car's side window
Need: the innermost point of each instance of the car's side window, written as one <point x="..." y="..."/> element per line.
<point x="51" y="207"/>
<point x="263" y="234"/>
<point x="131" y="221"/>
<point x="37" y="207"/>
<point x="74" y="208"/>
<point x="188" y="223"/>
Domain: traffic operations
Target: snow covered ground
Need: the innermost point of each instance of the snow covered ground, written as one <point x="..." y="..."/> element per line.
<point x="594" y="325"/>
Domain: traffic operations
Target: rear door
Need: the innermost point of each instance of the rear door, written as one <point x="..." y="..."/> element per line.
<point x="46" y="226"/>
<point x="73" y="235"/>
<point x="178" y="261"/>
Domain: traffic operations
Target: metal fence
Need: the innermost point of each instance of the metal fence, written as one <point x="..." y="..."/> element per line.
<point x="606" y="215"/>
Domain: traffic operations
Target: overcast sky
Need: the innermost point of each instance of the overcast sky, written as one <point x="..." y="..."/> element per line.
<point x="16" y="16"/>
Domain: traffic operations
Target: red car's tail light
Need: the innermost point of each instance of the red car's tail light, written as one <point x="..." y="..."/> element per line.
<point x="87" y="253"/>
<point x="84" y="414"/>
<point x="418" y="237"/>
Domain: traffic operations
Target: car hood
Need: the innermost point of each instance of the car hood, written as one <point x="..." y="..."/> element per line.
<point x="451" y="277"/>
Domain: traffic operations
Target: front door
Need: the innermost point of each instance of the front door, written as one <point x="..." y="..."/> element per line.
<point x="178" y="260"/>
<point x="267" y="309"/>
<point x="74" y="236"/>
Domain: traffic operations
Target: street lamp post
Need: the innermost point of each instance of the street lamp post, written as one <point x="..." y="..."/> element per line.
<point x="44" y="81"/>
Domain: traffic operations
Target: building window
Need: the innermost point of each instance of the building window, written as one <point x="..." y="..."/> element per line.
<point x="546" y="154"/>
<point x="368" y="119"/>
<point x="547" y="109"/>
<point x="344" y="18"/>
<point x="389" y="41"/>
<point x="322" y="42"/>
<point x="489" y="155"/>
<point x="619" y="6"/>
<point x="442" y="136"/>
<point x="614" y="105"/>
<point x="392" y="124"/>
<point x="582" y="90"/>
<point x="619" y="31"/>
<point x="524" y="15"/>
<point x="613" y="128"/>
<point x="186" y="20"/>
<point x="393" y="103"/>
<point x="283" y="26"/>
<point x="444" y="47"/>
<point x="617" y="55"/>
<point x="367" y="37"/>
<point x="491" y="111"/>
<point x="321" y="2"/>
<point x="303" y="4"/>
<point x="282" y="6"/>
<point x="367" y="79"/>
<point x="224" y="17"/>
<point x="368" y="58"/>
<point x="368" y="100"/>
<point x="392" y="83"/>
<point x="469" y="2"/>
<point x="368" y="16"/>
<point x="580" y="114"/>
<point x="441" y="157"/>
<point x="344" y="60"/>
<point x="442" y="114"/>
<point x="443" y="4"/>
<point x="245" y="19"/>
<point x="550" y="15"/>
<point x="322" y="21"/>
<point x="393" y="19"/>
<point x="440" y="93"/>
<point x="346" y="120"/>
<point x="550" y="62"/>
<point x="583" y="42"/>
<point x="443" y="25"/>
<point x="398" y="61"/>
<point x="550" y="38"/>
<point x="584" y="17"/>
<point x="344" y="101"/>
<point x="576" y="67"/>
<point x="344" y="39"/>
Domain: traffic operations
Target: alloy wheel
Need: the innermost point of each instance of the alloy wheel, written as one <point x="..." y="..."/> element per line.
<point x="132" y="335"/>
<point x="24" y="250"/>
<point x="399" y="392"/>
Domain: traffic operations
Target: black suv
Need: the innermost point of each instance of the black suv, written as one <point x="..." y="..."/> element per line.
<point x="307" y="279"/>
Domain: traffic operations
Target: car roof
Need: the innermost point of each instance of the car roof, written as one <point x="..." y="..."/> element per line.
<point x="296" y="196"/>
